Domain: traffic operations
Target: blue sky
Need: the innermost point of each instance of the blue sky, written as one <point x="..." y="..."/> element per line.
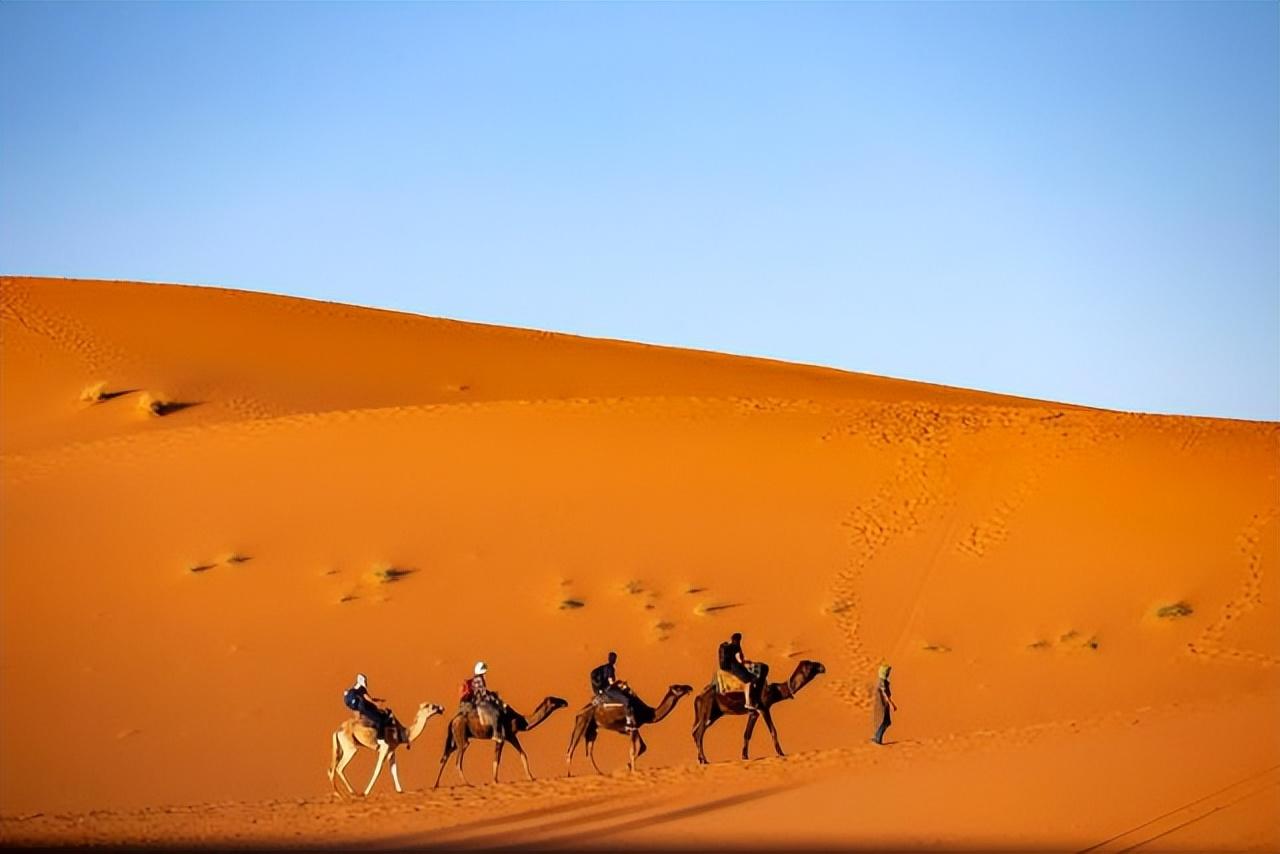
<point x="1076" y="201"/>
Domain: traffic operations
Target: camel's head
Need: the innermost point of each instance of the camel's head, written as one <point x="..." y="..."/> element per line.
<point x="554" y="703"/>
<point x="430" y="709"/>
<point x="681" y="690"/>
<point x="807" y="670"/>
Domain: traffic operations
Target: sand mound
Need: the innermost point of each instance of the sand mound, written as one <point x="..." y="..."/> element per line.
<point x="367" y="491"/>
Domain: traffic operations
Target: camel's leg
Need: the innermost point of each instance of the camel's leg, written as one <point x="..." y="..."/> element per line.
<point x="498" y="744"/>
<point x="462" y="749"/>
<point x="773" y="731"/>
<point x="335" y="753"/>
<point x="349" y="751"/>
<point x="449" y="747"/>
<point x="746" y="734"/>
<point x="631" y="756"/>
<point x="643" y="746"/>
<point x="524" y="757"/>
<point x="377" y="769"/>
<point x="395" y="772"/>
<point x="579" y="727"/>
<point x="703" y="706"/>
<point x="444" y="760"/>
<point x="591" y="751"/>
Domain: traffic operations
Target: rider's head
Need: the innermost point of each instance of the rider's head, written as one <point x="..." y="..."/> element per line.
<point x="613" y="657"/>
<point x="361" y="681"/>
<point x="736" y="637"/>
<point x="481" y="668"/>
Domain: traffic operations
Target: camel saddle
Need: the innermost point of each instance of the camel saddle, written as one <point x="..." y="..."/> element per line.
<point x="727" y="683"/>
<point x="393" y="729"/>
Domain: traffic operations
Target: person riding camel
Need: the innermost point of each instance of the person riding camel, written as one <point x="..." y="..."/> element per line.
<point x="488" y="705"/>
<point x="357" y="699"/>
<point x="734" y="663"/>
<point x="610" y="690"/>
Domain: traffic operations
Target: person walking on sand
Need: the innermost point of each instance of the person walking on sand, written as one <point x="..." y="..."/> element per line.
<point x="883" y="700"/>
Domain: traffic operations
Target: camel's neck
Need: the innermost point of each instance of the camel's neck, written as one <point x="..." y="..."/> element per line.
<point x="799" y="678"/>
<point x="540" y="714"/>
<point x="419" y="724"/>
<point x="664" y="708"/>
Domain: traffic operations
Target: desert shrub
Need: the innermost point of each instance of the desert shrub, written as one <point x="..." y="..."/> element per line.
<point x="94" y="393"/>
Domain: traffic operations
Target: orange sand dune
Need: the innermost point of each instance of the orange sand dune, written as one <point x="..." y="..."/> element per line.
<point x="184" y="597"/>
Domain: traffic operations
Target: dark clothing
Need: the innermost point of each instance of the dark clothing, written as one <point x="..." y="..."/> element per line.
<point x="353" y="697"/>
<point x="357" y="700"/>
<point x="729" y="652"/>
<point x="602" y="677"/>
<point x="616" y="694"/>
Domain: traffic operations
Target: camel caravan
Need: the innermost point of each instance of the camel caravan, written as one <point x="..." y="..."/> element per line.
<point x="739" y="687"/>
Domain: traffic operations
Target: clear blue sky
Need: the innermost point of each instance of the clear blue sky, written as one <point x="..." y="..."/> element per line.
<point x="1073" y="201"/>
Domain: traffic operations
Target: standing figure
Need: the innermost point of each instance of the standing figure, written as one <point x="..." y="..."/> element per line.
<point x="883" y="703"/>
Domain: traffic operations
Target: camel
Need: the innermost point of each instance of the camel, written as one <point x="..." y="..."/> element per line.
<point x="356" y="733"/>
<point x="710" y="705"/>
<point x="612" y="716"/>
<point x="468" y="726"/>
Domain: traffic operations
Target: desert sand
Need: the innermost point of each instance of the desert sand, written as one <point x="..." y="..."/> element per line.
<point x="218" y="506"/>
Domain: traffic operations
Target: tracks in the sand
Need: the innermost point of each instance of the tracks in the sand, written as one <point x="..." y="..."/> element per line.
<point x="1189" y="813"/>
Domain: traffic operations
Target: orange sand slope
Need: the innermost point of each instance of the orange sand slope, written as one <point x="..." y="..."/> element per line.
<point x="184" y="596"/>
